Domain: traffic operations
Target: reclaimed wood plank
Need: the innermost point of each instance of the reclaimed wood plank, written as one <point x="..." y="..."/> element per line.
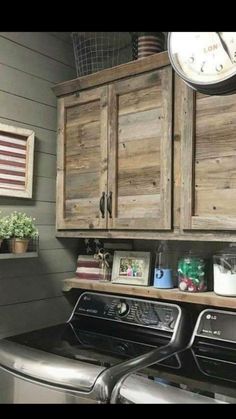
<point x="187" y="115"/>
<point x="82" y="185"/>
<point x="84" y="161"/>
<point x="216" y="168"/>
<point x="111" y="74"/>
<point x="215" y="202"/>
<point x="142" y="153"/>
<point x="83" y="113"/>
<point x="140" y="100"/>
<point x="112" y="138"/>
<point x="146" y="124"/>
<point x="81" y="137"/>
<point x="176" y="152"/>
<point x="175" y="235"/>
<point x="215" y="222"/>
<point x="205" y="298"/>
<point x="82" y="171"/>
<point x="142" y="181"/>
<point x="141" y="141"/>
<point x="166" y="151"/>
<point x="138" y="206"/>
<point x="60" y="188"/>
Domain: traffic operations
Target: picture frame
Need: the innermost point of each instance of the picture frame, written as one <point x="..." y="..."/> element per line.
<point x="131" y="268"/>
<point x="16" y="161"/>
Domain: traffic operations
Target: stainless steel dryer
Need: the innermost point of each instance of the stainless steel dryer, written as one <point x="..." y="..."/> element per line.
<point x="81" y="361"/>
<point x="207" y="372"/>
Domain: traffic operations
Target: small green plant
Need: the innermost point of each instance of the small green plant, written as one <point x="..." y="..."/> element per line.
<point x="18" y="225"/>
<point x="2" y="229"/>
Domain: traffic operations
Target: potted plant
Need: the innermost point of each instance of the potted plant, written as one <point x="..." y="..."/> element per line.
<point x="19" y="229"/>
<point x="2" y="231"/>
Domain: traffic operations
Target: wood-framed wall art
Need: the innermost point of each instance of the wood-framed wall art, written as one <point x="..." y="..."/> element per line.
<point x="16" y="161"/>
<point x="131" y="268"/>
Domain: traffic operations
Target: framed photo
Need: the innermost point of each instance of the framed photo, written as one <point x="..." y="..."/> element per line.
<point x="16" y="161"/>
<point x="132" y="268"/>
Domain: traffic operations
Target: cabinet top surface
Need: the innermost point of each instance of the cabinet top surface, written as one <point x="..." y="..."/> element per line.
<point x="107" y="75"/>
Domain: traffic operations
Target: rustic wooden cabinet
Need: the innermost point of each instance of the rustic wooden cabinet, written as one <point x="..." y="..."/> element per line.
<point x="208" y="162"/>
<point x="115" y="155"/>
<point x="82" y="160"/>
<point x="139" y="152"/>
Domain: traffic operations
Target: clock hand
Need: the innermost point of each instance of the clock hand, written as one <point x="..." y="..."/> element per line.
<point x="225" y="47"/>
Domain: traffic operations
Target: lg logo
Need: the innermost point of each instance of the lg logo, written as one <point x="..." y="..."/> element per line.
<point x="211" y="317"/>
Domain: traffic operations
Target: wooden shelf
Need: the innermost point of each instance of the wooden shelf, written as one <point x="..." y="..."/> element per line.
<point x="18" y="255"/>
<point x="205" y="298"/>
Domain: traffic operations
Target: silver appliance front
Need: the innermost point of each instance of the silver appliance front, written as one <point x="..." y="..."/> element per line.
<point x="19" y="390"/>
<point x="207" y="373"/>
<point x="81" y="361"/>
<point x="138" y="390"/>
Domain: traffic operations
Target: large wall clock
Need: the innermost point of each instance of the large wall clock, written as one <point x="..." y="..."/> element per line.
<point x="206" y="61"/>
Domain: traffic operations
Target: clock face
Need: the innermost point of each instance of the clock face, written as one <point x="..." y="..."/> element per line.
<point x="203" y="57"/>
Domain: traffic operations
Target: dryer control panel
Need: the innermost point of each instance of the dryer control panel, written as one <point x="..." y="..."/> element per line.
<point x="214" y="344"/>
<point x="152" y="314"/>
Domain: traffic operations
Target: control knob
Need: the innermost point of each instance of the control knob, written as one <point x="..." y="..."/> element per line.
<point x="122" y="309"/>
<point x="123" y="348"/>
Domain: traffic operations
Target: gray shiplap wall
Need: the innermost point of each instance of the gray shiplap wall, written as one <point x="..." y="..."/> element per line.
<point x="30" y="289"/>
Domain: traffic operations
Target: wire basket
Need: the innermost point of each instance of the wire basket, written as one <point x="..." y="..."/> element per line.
<point x="95" y="51"/>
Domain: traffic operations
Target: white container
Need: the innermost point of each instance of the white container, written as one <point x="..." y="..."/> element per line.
<point x="224" y="272"/>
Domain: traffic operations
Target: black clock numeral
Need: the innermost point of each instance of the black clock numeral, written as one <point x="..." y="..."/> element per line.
<point x="219" y="67"/>
<point x="202" y="67"/>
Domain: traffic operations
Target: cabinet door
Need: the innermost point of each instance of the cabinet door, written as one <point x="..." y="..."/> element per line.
<point x="140" y="152"/>
<point x="208" y="166"/>
<point x="82" y="160"/>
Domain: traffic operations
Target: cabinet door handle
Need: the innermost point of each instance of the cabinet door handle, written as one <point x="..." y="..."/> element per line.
<point x="109" y="204"/>
<point x="102" y="204"/>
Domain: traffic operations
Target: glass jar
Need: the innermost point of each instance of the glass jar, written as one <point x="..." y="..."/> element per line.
<point x="163" y="277"/>
<point x="224" y="272"/>
<point x="192" y="273"/>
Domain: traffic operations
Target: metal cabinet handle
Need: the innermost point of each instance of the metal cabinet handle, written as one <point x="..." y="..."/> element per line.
<point x="102" y="204"/>
<point x="109" y="204"/>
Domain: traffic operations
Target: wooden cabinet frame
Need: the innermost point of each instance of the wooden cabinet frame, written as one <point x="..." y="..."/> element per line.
<point x="189" y="221"/>
<point x="109" y="155"/>
<point x="178" y="219"/>
<point x="163" y="220"/>
<point x="64" y="103"/>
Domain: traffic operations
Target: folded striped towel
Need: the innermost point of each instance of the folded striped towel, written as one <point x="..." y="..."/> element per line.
<point x="87" y="267"/>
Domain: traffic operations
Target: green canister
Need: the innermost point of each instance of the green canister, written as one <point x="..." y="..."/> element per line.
<point x="192" y="273"/>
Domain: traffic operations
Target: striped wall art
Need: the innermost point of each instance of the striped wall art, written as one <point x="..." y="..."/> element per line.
<point x="16" y="161"/>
